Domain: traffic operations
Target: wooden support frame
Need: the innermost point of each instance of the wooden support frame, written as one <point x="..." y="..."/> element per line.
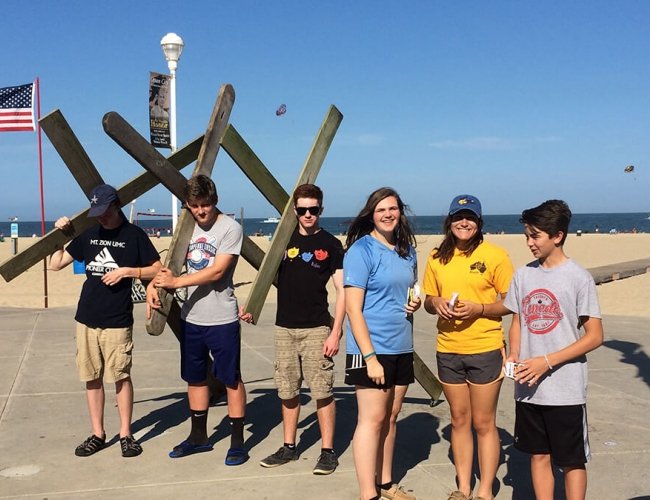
<point x="145" y="154"/>
<point x="56" y="238"/>
<point x="205" y="148"/>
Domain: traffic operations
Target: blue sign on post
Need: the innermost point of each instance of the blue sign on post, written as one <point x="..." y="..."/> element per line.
<point x="78" y="267"/>
<point x="14" y="230"/>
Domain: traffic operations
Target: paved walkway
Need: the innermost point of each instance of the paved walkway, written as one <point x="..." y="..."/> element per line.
<point x="43" y="417"/>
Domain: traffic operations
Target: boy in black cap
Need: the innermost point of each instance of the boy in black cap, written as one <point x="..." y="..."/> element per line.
<point x="114" y="252"/>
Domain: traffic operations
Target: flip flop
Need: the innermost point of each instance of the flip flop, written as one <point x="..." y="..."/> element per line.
<point x="236" y="456"/>
<point x="186" y="448"/>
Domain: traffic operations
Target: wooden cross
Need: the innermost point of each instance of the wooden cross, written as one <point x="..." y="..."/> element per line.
<point x="166" y="171"/>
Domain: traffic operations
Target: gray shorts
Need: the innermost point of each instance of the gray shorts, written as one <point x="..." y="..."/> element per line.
<point x="298" y="356"/>
<point x="478" y="369"/>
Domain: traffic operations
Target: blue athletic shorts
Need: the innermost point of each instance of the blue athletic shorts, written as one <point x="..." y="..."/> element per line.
<point x="221" y="342"/>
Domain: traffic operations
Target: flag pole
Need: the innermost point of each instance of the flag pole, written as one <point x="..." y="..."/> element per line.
<point x="40" y="176"/>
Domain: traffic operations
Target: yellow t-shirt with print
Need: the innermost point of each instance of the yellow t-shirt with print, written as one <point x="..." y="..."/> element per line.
<point x="480" y="278"/>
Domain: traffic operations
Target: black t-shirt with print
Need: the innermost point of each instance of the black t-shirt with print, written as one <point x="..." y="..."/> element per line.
<point x="102" y="250"/>
<point x="307" y="266"/>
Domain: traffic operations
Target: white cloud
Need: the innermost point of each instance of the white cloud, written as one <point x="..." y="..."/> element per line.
<point x="369" y="139"/>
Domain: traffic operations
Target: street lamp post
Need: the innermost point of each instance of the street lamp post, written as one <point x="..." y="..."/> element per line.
<point x="172" y="46"/>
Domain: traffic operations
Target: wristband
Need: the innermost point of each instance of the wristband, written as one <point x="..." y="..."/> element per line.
<point x="547" y="362"/>
<point x="369" y="355"/>
<point x="482" y="309"/>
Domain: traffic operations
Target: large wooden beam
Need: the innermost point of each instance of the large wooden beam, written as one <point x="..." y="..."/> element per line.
<point x="56" y="238"/>
<point x="269" y="267"/>
<point x="71" y="151"/>
<point x="145" y="154"/>
<point x="426" y="378"/>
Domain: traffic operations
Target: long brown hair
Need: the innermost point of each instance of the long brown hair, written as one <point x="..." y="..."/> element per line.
<point x="363" y="223"/>
<point x="445" y="251"/>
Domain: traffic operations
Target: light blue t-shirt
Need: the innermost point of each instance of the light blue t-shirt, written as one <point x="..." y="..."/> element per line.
<point x="386" y="278"/>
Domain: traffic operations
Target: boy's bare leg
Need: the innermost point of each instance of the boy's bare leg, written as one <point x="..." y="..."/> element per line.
<point x="236" y="400"/>
<point x="542" y="474"/>
<point x="575" y="483"/>
<point x="326" y="413"/>
<point x="124" y="396"/>
<point x="198" y="396"/>
<point x="290" y="415"/>
<point x="95" y="399"/>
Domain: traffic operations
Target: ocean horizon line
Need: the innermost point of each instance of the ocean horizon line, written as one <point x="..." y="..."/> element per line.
<point x="610" y="222"/>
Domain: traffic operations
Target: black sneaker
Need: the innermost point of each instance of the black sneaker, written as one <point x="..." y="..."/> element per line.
<point x="283" y="456"/>
<point x="130" y="447"/>
<point x="90" y="446"/>
<point x="326" y="464"/>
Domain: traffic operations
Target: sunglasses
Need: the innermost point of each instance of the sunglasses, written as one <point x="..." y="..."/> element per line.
<point x="312" y="210"/>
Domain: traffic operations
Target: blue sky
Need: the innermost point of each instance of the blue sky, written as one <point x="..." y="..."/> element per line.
<point x="515" y="102"/>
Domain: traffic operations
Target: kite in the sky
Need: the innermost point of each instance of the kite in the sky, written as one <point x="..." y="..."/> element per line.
<point x="629" y="169"/>
<point x="281" y="110"/>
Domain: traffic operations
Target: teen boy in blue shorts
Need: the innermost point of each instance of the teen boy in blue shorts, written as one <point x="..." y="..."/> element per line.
<point x="210" y="318"/>
<point x="552" y="299"/>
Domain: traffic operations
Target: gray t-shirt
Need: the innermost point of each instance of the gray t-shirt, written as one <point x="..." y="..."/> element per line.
<point x="549" y="303"/>
<point x="214" y="303"/>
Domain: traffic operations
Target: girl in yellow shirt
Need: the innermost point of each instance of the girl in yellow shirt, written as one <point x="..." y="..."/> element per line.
<point x="465" y="282"/>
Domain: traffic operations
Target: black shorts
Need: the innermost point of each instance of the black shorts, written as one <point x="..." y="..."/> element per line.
<point x="478" y="369"/>
<point x="560" y="431"/>
<point x="398" y="370"/>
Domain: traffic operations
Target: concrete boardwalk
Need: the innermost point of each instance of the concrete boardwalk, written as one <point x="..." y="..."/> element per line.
<point x="43" y="417"/>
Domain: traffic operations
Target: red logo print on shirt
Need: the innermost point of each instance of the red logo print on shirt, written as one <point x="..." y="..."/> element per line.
<point x="321" y="254"/>
<point x="541" y="311"/>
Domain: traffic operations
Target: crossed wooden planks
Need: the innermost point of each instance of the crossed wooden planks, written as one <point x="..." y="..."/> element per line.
<point x="145" y="154"/>
<point x="218" y="131"/>
<point x="56" y="238"/>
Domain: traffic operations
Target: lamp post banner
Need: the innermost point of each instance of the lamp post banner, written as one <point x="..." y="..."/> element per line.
<point x="159" y="110"/>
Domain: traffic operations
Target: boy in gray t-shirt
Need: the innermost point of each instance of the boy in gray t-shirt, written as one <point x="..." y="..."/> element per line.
<point x="552" y="299"/>
<point x="210" y="318"/>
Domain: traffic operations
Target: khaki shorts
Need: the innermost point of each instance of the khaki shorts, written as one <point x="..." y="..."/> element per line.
<point x="298" y="355"/>
<point x="104" y="353"/>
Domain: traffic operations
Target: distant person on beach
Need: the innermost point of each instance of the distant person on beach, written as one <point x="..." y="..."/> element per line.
<point x="306" y="338"/>
<point x="380" y="271"/>
<point x="465" y="283"/>
<point x="114" y="252"/>
<point x="210" y="318"/>
<point x="552" y="299"/>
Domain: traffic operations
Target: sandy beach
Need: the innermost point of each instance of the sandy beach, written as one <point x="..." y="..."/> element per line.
<point x="622" y="297"/>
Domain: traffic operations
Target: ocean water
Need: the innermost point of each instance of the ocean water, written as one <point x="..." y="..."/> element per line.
<point x="432" y="224"/>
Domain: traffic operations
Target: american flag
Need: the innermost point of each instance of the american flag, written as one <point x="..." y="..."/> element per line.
<point x="17" y="109"/>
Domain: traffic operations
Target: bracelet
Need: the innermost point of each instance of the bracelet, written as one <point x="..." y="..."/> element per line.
<point x="482" y="309"/>
<point x="139" y="272"/>
<point x="547" y="362"/>
<point x="369" y="355"/>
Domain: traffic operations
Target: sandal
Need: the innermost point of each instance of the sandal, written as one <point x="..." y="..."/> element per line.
<point x="130" y="447"/>
<point x="236" y="456"/>
<point x="186" y="448"/>
<point x="90" y="446"/>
